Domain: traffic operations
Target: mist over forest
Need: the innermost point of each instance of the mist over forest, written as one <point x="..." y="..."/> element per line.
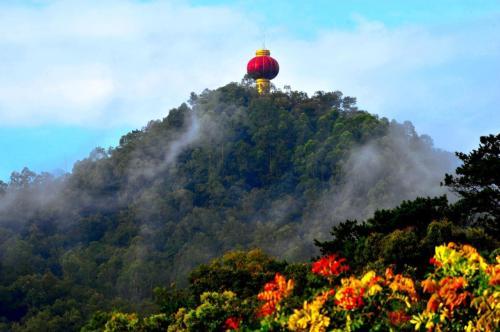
<point x="228" y="170"/>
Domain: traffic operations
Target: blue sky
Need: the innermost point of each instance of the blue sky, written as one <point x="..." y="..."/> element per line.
<point x="79" y="74"/>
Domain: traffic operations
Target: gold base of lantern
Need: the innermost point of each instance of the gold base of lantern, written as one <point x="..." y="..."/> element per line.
<point x="263" y="85"/>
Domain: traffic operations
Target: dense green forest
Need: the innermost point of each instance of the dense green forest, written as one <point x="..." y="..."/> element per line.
<point x="231" y="170"/>
<point x="425" y="265"/>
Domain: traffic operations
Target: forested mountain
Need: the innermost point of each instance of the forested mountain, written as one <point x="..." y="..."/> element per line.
<point x="230" y="169"/>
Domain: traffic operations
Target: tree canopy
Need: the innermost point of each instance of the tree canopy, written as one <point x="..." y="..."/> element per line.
<point x="228" y="170"/>
<point x="477" y="181"/>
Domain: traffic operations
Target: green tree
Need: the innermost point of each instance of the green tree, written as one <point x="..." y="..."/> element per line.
<point x="477" y="181"/>
<point x="3" y="188"/>
<point x="242" y="272"/>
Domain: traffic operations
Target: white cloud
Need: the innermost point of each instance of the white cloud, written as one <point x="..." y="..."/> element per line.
<point x="97" y="63"/>
<point x="440" y="78"/>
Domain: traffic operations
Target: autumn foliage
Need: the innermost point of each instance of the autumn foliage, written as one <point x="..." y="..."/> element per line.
<point x="460" y="293"/>
<point x="330" y="266"/>
<point x="273" y="293"/>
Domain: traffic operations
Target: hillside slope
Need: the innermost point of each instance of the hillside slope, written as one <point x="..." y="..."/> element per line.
<point x="231" y="170"/>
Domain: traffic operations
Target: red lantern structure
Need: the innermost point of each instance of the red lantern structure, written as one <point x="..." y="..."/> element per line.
<point x="263" y="68"/>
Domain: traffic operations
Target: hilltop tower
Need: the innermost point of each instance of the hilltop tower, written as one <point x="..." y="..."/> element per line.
<point x="263" y="68"/>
